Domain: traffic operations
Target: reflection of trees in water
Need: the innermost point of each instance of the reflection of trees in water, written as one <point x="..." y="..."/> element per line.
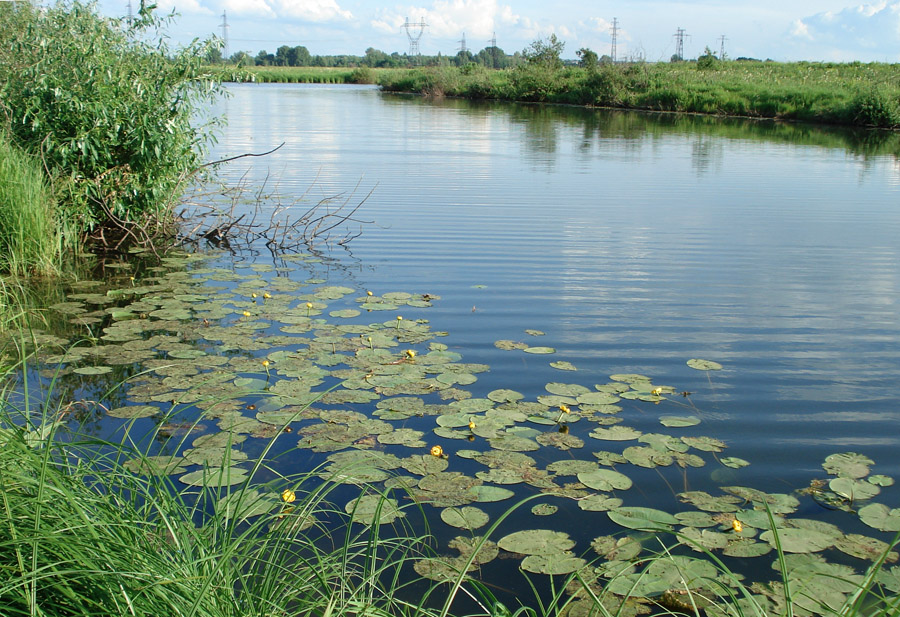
<point x="706" y="153"/>
<point x="542" y="124"/>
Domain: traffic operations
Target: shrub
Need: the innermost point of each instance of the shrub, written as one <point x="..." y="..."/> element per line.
<point x="109" y="109"/>
<point x="876" y="108"/>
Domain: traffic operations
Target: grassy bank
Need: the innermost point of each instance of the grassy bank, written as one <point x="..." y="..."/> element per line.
<point x="854" y="94"/>
<point x="309" y="75"/>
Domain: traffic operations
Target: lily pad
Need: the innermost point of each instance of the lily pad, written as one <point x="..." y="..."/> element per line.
<point x="133" y="411"/>
<point x="555" y="564"/>
<point x="539" y="350"/>
<point x="881" y="517"/>
<point x="466" y="517"/>
<point x="537" y="542"/>
<point x="643" y="519"/>
<point x="373" y="509"/>
<point x="704" y="365"/>
<point x="544" y="509"/>
<point x="848" y="465"/>
<point x="605" y="480"/>
<point x="212" y="478"/>
<point x="794" y="540"/>
<point x="563" y="366"/>
<point x="679" y="421"/>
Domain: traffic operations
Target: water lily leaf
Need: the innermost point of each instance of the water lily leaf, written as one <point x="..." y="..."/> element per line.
<point x="563" y="366"/>
<point x="532" y="332"/>
<point x="864" y="547"/>
<point x="733" y="462"/>
<point x="706" y="444"/>
<point x="605" y="480"/>
<point x="848" y="465"/>
<point x="599" y="503"/>
<point x="489" y="494"/>
<point x="566" y="389"/>
<point x="500" y="476"/>
<point x="539" y="350"/>
<point x="609" y="458"/>
<point x="243" y="505"/>
<point x="373" y="509"/>
<point x="704" y="539"/>
<point x="679" y="421"/>
<point x="560" y="440"/>
<point x="509" y="345"/>
<point x="794" y="540"/>
<point x="505" y="396"/>
<point x="881" y="480"/>
<point x="597" y="398"/>
<point x="471" y="406"/>
<point x="424" y="464"/>
<point x="704" y="365"/>
<point x="615" y="433"/>
<point x="544" y="509"/>
<point x="556" y="564"/>
<point x="571" y="467"/>
<point x="404" y="437"/>
<point x="537" y="542"/>
<point x="133" y="411"/>
<point x="852" y="489"/>
<point x="156" y="465"/>
<point x="746" y="547"/>
<point x="93" y="370"/>
<point x="466" y="517"/>
<point x="643" y="519"/>
<point x="512" y="443"/>
<point x="647" y="457"/>
<point x="881" y="517"/>
<point x="696" y="519"/>
<point x="345" y="313"/>
<point x="213" y="478"/>
<point x="466" y="545"/>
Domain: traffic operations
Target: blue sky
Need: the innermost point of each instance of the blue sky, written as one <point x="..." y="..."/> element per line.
<point x="837" y="30"/>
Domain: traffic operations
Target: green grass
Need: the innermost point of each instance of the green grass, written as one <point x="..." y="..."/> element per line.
<point x="30" y="240"/>
<point x="307" y="75"/>
<point x="848" y="94"/>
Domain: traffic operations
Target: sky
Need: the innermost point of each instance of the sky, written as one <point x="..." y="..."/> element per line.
<point x="783" y="30"/>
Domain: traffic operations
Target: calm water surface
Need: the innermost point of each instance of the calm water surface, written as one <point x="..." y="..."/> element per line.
<point x="635" y="242"/>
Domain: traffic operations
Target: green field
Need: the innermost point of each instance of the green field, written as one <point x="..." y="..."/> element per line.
<point x="849" y="94"/>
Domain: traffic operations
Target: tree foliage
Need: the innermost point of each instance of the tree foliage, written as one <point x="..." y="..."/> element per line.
<point x="108" y="106"/>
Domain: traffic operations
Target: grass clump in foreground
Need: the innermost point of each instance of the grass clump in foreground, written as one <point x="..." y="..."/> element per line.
<point x="30" y="238"/>
<point x="848" y="94"/>
<point x="82" y="534"/>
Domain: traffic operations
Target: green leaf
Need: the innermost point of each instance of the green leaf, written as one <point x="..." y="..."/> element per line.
<point x="643" y="519"/>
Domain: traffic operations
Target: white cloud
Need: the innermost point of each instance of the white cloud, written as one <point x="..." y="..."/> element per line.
<point x="183" y="7"/>
<point x="864" y="25"/>
<point x="312" y="10"/>
<point x="248" y="7"/>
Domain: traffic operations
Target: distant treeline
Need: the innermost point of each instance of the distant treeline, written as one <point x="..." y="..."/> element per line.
<point x="299" y="56"/>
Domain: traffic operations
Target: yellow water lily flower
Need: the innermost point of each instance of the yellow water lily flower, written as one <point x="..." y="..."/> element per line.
<point x="288" y="496"/>
<point x="267" y="295"/>
<point x="737" y="526"/>
<point x="369" y="293"/>
<point x="656" y="391"/>
<point x="246" y="313"/>
<point x="266" y="363"/>
<point x="410" y="353"/>
<point x="565" y="409"/>
<point x="253" y="295"/>
<point x="471" y="425"/>
<point x="437" y="451"/>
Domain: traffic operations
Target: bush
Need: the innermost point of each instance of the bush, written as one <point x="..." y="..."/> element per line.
<point x="876" y="108"/>
<point x="109" y="110"/>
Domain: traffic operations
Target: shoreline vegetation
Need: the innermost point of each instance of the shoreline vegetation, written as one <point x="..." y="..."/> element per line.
<point x="849" y="94"/>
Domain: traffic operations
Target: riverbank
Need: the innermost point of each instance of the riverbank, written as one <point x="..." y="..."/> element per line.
<point x="854" y="94"/>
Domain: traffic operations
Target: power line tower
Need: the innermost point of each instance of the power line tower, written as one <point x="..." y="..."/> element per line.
<point x="224" y="27"/>
<point x="130" y="14"/>
<point x="494" y="58"/>
<point x="414" y="35"/>
<point x="679" y="43"/>
<point x="722" y="40"/>
<point x="462" y="44"/>
<point x="614" y="30"/>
